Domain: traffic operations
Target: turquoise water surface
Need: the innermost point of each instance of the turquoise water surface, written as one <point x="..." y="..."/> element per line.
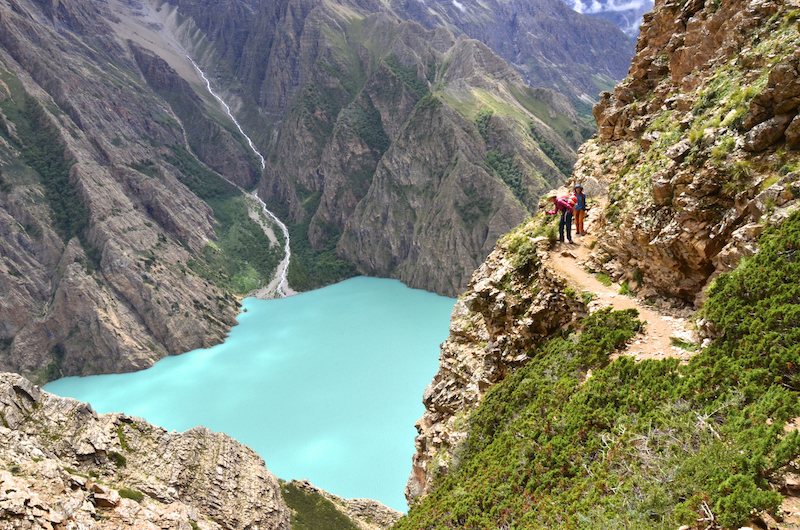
<point x="325" y="385"/>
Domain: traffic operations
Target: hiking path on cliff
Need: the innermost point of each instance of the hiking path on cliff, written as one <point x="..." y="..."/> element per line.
<point x="661" y="333"/>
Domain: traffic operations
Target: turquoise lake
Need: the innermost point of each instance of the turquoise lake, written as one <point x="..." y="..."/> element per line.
<point x="325" y="385"/>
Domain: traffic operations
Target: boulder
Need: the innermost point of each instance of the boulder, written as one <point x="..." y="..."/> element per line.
<point x="767" y="133"/>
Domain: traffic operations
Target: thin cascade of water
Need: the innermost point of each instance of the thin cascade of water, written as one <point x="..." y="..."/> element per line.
<point x="283" y="285"/>
<point x="228" y="110"/>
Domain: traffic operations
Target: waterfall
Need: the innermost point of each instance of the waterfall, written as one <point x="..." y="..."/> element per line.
<point x="228" y="110"/>
<point x="282" y="288"/>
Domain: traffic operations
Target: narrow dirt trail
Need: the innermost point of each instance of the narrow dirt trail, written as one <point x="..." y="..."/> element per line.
<point x="654" y="342"/>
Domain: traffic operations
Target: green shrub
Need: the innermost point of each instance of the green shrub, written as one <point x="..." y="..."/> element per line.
<point x="312" y="511"/>
<point x="645" y="445"/>
<point x="483" y="123"/>
<point x="118" y="459"/>
<point x="127" y="493"/>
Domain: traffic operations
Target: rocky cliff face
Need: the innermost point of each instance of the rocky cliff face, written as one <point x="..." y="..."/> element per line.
<point x="513" y="302"/>
<point x="698" y="146"/>
<point x="66" y="466"/>
<point x="695" y="156"/>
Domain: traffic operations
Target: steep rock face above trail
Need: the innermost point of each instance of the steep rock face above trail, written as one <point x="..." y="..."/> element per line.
<point x="513" y="303"/>
<point x="697" y="149"/>
<point x="71" y="466"/>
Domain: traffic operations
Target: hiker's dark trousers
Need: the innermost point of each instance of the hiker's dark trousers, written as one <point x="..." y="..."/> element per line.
<point x="565" y="222"/>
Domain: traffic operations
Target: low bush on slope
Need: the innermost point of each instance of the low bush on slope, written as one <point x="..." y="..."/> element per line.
<point x="641" y="445"/>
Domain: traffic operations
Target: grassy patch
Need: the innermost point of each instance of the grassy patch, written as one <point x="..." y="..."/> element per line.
<point x="127" y="493"/>
<point x="682" y="344"/>
<point x="603" y="278"/>
<point x="118" y="459"/>
<point x="312" y="511"/>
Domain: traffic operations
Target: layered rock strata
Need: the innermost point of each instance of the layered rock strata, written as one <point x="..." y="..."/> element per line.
<point x="96" y="270"/>
<point x="65" y="466"/>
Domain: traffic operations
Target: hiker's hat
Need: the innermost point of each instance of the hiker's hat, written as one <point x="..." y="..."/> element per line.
<point x="578" y="186"/>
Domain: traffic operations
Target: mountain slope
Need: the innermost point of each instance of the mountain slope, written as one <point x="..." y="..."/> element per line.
<point x="103" y="227"/>
<point x="529" y="422"/>
<point x="548" y="43"/>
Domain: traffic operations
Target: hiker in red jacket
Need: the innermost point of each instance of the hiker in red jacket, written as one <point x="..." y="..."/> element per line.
<point x="562" y="205"/>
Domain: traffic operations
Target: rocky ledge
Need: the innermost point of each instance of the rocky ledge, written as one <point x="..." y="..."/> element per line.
<point x="65" y="466"/>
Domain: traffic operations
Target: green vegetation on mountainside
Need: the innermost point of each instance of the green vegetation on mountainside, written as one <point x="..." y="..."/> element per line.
<point x="43" y="151"/>
<point x="312" y="511"/>
<point x="646" y="445"/>
<point x="242" y="258"/>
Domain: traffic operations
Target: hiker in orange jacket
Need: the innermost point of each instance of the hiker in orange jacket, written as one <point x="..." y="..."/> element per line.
<point x="580" y="210"/>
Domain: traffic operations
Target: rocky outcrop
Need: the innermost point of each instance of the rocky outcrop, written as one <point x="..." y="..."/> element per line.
<point x="366" y="514"/>
<point x="698" y="144"/>
<point x="66" y="466"/>
<point x="513" y="303"/>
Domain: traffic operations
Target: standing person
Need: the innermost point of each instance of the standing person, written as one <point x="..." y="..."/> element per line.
<point x="580" y="210"/>
<point x="562" y="205"/>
